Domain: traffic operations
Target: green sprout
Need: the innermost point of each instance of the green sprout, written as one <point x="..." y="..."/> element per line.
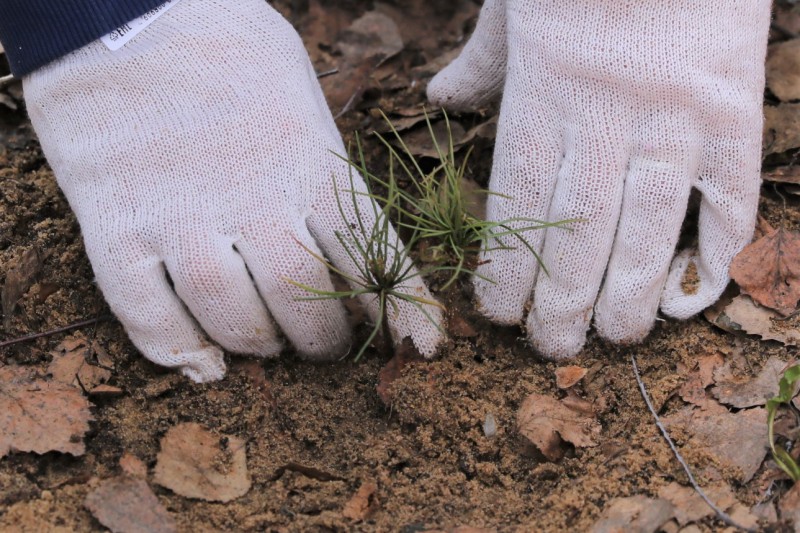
<point x="436" y="207"/>
<point x="380" y="260"/>
<point x="787" y="388"/>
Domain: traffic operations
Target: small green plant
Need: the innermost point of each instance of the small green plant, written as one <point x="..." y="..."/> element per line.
<point x="380" y="260"/>
<point x="436" y="207"/>
<point x="787" y="388"/>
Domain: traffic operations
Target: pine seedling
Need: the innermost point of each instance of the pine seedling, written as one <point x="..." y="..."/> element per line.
<point x="381" y="266"/>
<point x="787" y="388"/>
<point x="436" y="208"/>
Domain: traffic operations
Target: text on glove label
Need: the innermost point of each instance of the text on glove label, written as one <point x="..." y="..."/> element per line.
<point x="119" y="37"/>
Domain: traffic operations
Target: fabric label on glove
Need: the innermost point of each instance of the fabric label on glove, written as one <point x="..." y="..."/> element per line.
<point x="119" y="37"/>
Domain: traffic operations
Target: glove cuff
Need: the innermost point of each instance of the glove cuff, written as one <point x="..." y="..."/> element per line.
<point x="36" y="32"/>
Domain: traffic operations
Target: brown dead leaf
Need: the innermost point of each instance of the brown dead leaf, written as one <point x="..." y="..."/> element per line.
<point x="421" y="144"/>
<point x="363" y="502"/>
<point x="638" y="514"/>
<point x="737" y="440"/>
<point x="367" y="43"/>
<point x="789" y="175"/>
<point x="405" y="354"/>
<point x="769" y="270"/>
<point x="781" y="128"/>
<point x="546" y="421"/>
<point x="74" y="363"/>
<point x="789" y="505"/>
<point x="742" y="314"/>
<point x="133" y="466"/>
<point x="569" y="376"/>
<point x="689" y="506"/>
<point x="126" y="504"/>
<point x="747" y="391"/>
<point x="693" y="389"/>
<point x="196" y="463"/>
<point x="19" y="277"/>
<point x="783" y="70"/>
<point x="39" y="416"/>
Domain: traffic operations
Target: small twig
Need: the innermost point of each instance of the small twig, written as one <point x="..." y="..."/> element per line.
<point x="35" y="336"/>
<point x="327" y="73"/>
<point x="722" y="515"/>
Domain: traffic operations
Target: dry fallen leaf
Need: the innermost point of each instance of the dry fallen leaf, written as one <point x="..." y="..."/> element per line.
<point x="39" y="416"/>
<point x="742" y="314"/>
<point x="748" y="391"/>
<point x="781" y="128"/>
<point x="363" y="502"/>
<point x="737" y="440"/>
<point x="788" y="175"/>
<point x="71" y="366"/>
<point x="133" y="466"/>
<point x="693" y="389"/>
<point x="368" y="42"/>
<point x="126" y="504"/>
<point x="405" y="354"/>
<point x="783" y="70"/>
<point x="568" y="376"/>
<point x="546" y="421"/>
<point x="689" y="506"/>
<point x="769" y="270"/>
<point x="196" y="463"/>
<point x="789" y="505"/>
<point x="638" y="514"/>
<point x="21" y="272"/>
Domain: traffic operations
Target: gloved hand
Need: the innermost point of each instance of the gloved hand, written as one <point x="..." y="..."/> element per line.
<point x="201" y="153"/>
<point x="611" y="112"/>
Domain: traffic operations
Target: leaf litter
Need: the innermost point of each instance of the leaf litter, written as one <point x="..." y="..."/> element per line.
<point x="197" y="463"/>
<point x="41" y="416"/>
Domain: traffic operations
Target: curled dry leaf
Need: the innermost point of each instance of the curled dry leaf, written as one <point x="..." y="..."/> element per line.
<point x="769" y="270"/>
<point x="363" y="502"/>
<point x="636" y="513"/>
<point x="569" y="376"/>
<point x="196" y="463"/>
<point x="546" y="422"/>
<point x="126" y="504"/>
<point x="742" y="314"/>
<point x="736" y="440"/>
<point x="750" y="392"/>
<point x="39" y="416"/>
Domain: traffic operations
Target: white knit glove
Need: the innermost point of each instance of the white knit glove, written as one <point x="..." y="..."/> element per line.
<point x="612" y="111"/>
<point x="200" y="153"/>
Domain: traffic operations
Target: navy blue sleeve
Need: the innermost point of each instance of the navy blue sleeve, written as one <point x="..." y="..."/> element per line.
<point x="36" y="32"/>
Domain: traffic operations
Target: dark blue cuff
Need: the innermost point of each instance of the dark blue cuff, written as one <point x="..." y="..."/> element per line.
<point x="36" y="32"/>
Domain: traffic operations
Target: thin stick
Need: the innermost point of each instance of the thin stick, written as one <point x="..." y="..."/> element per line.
<point x="35" y="336"/>
<point x="720" y="513"/>
<point x="327" y="73"/>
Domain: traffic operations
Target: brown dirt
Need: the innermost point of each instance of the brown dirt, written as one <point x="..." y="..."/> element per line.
<point x="432" y="463"/>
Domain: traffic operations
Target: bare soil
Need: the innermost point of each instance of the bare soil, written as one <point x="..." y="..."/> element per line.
<point x="433" y="464"/>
